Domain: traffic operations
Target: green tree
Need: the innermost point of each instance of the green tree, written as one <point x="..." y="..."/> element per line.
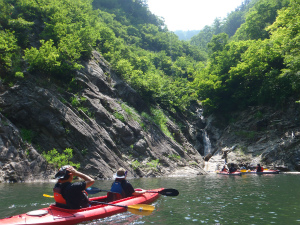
<point x="260" y="16"/>
<point x="60" y="159"/>
<point x="8" y="51"/>
<point x="286" y="34"/>
<point x="45" y="59"/>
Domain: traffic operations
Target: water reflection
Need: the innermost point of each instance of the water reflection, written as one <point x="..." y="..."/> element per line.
<point x="210" y="199"/>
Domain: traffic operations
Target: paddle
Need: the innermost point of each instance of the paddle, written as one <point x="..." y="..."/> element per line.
<point x="139" y="209"/>
<point x="166" y="192"/>
<point x="94" y="190"/>
<point x="48" y="196"/>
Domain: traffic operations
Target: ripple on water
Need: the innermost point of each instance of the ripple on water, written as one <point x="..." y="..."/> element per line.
<point x="202" y="200"/>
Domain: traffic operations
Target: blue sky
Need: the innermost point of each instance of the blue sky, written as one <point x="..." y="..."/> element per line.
<point x="191" y="14"/>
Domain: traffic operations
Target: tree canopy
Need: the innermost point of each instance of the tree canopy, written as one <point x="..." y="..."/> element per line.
<point x="249" y="58"/>
<point x="258" y="65"/>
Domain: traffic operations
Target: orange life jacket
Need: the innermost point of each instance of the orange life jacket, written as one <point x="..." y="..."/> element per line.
<point x="58" y="196"/>
<point x="59" y="199"/>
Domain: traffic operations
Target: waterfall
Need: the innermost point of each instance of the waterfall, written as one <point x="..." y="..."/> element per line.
<point x="206" y="142"/>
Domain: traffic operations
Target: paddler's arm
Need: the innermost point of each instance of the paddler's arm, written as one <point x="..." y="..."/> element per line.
<point x="88" y="180"/>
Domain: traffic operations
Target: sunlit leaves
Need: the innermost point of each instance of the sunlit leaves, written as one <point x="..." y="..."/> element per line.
<point x="264" y="70"/>
<point x="259" y="18"/>
<point x="44" y="59"/>
<point x="286" y="34"/>
<point x="60" y="159"/>
<point x="183" y="67"/>
<point x="8" y="47"/>
<point x="163" y="69"/>
<point x="124" y="67"/>
<point x="5" y="12"/>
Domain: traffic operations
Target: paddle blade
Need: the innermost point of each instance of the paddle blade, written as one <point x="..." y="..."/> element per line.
<point x="169" y="192"/>
<point x="138" y="212"/>
<point x="94" y="190"/>
<point x="141" y="209"/>
<point x="48" y="196"/>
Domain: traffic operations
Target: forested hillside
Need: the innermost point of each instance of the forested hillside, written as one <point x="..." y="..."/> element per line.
<point x="53" y="37"/>
<point x="251" y="55"/>
<point x="258" y="65"/>
<point x="228" y="25"/>
<point x="186" y="35"/>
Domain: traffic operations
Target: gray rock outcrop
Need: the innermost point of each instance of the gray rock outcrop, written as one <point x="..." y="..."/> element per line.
<point x="262" y="135"/>
<point x="100" y="120"/>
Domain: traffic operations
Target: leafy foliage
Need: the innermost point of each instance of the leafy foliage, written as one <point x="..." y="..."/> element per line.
<point x="259" y="17"/>
<point x="43" y="59"/>
<point x="258" y="65"/>
<point x="153" y="164"/>
<point x="228" y="25"/>
<point x="53" y="37"/>
<point x="8" y="51"/>
<point x="60" y="159"/>
<point x="27" y="135"/>
<point x="135" y="165"/>
<point x="249" y="58"/>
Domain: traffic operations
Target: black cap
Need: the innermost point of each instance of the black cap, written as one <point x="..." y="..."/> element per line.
<point x="63" y="173"/>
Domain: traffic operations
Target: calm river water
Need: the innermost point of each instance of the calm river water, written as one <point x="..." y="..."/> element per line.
<point x="209" y="199"/>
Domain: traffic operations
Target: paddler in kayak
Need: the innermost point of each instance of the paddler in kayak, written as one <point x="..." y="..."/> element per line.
<point x="122" y="186"/>
<point x="225" y="168"/>
<point x="259" y="168"/>
<point x="232" y="169"/>
<point x="71" y="195"/>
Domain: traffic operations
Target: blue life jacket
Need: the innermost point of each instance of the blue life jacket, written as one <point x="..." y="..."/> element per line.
<point x="117" y="187"/>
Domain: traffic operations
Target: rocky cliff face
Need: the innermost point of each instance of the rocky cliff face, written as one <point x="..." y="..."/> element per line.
<point x="102" y="120"/>
<point x="104" y="127"/>
<point x="259" y="135"/>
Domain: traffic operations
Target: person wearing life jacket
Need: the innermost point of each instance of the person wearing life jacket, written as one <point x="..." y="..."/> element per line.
<point x="259" y="168"/>
<point x="122" y="186"/>
<point x="232" y="169"/>
<point x="71" y="195"/>
<point x="224" y="169"/>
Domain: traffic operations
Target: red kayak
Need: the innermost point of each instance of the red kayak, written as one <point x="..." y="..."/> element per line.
<point x="59" y="216"/>
<point x="227" y="173"/>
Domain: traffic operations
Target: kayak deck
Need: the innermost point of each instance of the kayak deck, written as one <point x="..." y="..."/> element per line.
<point x="262" y="172"/>
<point x="57" y="216"/>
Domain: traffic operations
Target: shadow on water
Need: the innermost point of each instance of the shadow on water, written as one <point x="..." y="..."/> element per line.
<point x="210" y="199"/>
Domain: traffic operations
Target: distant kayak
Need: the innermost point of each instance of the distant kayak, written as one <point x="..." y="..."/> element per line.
<point x="227" y="173"/>
<point x="54" y="215"/>
<point x="266" y="171"/>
